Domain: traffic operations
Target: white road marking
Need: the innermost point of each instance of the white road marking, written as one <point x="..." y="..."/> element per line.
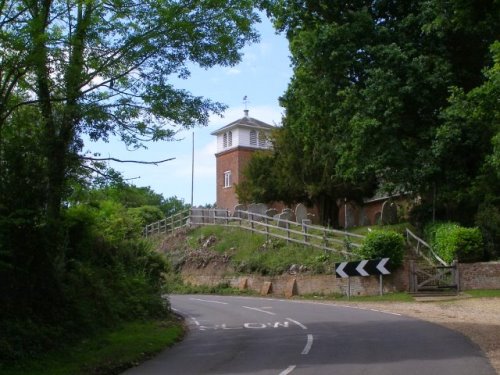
<point x="254" y="325"/>
<point x="288" y="370"/>
<point x="308" y="344"/>
<point x="260" y="310"/>
<point x="210" y="301"/>
<point x="298" y="323"/>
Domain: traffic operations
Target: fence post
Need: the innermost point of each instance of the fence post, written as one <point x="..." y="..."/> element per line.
<point x="250" y="218"/>
<point x="267" y="228"/>
<point x="325" y="239"/>
<point x="227" y="217"/>
<point x="304" y="229"/>
<point x="287" y="226"/>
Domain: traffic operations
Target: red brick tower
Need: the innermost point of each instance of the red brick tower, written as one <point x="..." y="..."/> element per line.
<point x="235" y="144"/>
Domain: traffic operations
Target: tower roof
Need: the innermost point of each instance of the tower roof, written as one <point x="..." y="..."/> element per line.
<point x="245" y="121"/>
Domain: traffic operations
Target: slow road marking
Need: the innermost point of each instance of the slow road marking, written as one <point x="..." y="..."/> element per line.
<point x="308" y="346"/>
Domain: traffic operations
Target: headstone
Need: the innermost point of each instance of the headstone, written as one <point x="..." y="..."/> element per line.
<point x="240" y="211"/>
<point x="300" y="213"/>
<point x="389" y="213"/>
<point x="285" y="215"/>
<point x="272" y="212"/>
<point x="365" y="220"/>
<point x="349" y="217"/>
<point x="259" y="209"/>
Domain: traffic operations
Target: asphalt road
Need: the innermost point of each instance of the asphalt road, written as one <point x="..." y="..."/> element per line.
<point x="242" y="335"/>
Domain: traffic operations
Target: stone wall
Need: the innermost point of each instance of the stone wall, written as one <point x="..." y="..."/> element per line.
<point x="472" y="276"/>
<point x="305" y="284"/>
<point x="479" y="275"/>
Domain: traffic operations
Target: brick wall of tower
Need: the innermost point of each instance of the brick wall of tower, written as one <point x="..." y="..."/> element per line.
<point x="233" y="160"/>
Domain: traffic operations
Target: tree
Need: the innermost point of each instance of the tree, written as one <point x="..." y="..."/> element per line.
<point x="370" y="80"/>
<point x="101" y="68"/>
<point x="98" y="68"/>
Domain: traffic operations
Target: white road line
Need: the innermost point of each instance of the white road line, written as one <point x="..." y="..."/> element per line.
<point x="210" y="301"/>
<point x="308" y="344"/>
<point x="298" y="323"/>
<point x="256" y="309"/>
<point x="288" y="370"/>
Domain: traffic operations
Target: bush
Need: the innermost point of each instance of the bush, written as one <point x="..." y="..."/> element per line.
<point x="450" y="241"/>
<point x="384" y="244"/>
<point x="488" y="221"/>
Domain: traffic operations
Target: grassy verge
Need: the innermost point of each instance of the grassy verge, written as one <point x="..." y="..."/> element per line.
<point x="107" y="353"/>
<point x="482" y="293"/>
<point x="390" y="297"/>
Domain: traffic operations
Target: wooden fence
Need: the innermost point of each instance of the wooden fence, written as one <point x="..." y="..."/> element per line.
<point x="292" y="232"/>
<point x="423" y="249"/>
<point x="168" y="225"/>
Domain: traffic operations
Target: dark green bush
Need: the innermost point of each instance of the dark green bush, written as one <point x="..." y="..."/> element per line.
<point x="383" y="244"/>
<point x="451" y="242"/>
<point x="488" y="221"/>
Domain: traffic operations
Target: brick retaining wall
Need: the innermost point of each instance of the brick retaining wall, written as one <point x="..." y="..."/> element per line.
<point x="479" y="275"/>
<point x="472" y="276"/>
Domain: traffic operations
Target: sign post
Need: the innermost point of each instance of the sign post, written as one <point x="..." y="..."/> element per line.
<point x="363" y="268"/>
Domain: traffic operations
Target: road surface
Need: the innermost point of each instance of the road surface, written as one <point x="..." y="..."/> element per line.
<point x="244" y="335"/>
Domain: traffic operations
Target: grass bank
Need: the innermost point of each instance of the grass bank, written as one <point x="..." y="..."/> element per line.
<point x="107" y="353"/>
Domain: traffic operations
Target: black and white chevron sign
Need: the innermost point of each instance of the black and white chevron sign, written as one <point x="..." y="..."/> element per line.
<point x="363" y="268"/>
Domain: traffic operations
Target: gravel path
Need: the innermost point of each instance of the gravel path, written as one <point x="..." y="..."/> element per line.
<point x="477" y="318"/>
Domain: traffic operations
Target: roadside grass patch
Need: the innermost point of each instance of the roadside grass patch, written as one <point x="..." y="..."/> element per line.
<point x="106" y="353"/>
<point x="389" y="297"/>
<point x="483" y="293"/>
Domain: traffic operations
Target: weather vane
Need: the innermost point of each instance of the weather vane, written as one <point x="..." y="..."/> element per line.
<point x="245" y="101"/>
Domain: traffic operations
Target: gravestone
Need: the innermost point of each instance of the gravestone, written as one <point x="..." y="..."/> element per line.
<point x="259" y="209"/>
<point x="300" y="213"/>
<point x="285" y="215"/>
<point x="389" y="213"/>
<point x="272" y="212"/>
<point x="349" y="218"/>
<point x="237" y="211"/>
<point x="364" y="218"/>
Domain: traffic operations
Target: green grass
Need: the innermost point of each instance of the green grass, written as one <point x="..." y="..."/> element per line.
<point x="389" y="297"/>
<point x="252" y="253"/>
<point x="482" y="293"/>
<point x="107" y="353"/>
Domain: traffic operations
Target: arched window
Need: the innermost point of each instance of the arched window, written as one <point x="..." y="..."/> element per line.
<point x="229" y="139"/>
<point x="253" y="138"/>
<point x="224" y="141"/>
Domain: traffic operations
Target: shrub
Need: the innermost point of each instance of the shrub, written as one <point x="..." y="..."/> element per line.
<point x="383" y="244"/>
<point x="451" y="241"/>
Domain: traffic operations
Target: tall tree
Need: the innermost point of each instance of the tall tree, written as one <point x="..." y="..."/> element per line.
<point x="102" y="68"/>
<point x="370" y="79"/>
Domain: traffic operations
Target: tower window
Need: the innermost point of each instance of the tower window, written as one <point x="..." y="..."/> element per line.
<point x="224" y="140"/>
<point x="229" y="139"/>
<point x="253" y="138"/>
<point x="227" y="179"/>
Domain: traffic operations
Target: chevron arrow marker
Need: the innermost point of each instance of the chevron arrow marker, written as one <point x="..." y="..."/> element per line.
<point x="340" y="269"/>
<point x="360" y="268"/>
<point x="381" y="266"/>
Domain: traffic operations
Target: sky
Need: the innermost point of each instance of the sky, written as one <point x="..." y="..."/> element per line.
<point x="262" y="75"/>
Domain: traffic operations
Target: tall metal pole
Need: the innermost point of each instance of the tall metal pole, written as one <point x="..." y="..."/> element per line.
<point x="192" y="173"/>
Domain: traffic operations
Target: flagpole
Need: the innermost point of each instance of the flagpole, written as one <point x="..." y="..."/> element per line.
<point x="192" y="172"/>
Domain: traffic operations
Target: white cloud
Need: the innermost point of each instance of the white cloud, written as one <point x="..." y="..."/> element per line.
<point x="233" y="71"/>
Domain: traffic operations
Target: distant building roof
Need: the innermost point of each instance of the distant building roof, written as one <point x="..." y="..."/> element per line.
<point x="245" y="121"/>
